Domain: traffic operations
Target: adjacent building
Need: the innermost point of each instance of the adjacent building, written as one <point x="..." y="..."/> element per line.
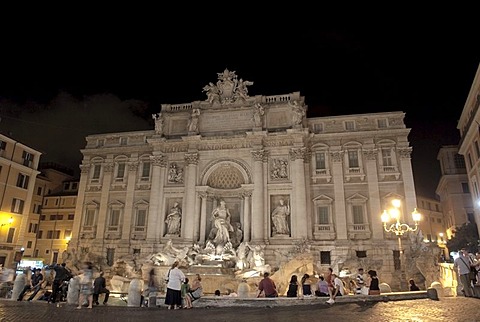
<point x="469" y="145"/>
<point x="18" y="172"/>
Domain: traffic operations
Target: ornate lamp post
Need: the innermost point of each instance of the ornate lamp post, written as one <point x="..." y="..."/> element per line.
<point x="399" y="228"/>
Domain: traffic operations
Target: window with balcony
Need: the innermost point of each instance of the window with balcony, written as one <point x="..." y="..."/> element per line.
<point x="320" y="162"/>
<point x="114" y="220"/>
<point x="358" y="220"/>
<point x="323" y="226"/>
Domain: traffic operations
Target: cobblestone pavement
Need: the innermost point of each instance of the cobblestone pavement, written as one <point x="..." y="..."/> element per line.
<point x="446" y="309"/>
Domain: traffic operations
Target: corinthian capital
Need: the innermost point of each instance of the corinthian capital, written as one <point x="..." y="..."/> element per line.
<point x="108" y="167"/>
<point x="370" y="154"/>
<point x="159" y="160"/>
<point x="85" y="168"/>
<point x="297" y="153"/>
<point x="405" y="153"/>
<point x="337" y="156"/>
<point x="191" y="158"/>
<point x="132" y="166"/>
<point x="259" y="155"/>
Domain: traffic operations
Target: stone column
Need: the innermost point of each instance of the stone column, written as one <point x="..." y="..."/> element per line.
<point x="203" y="217"/>
<point x="339" y="193"/>
<point x="246" y="216"/>
<point x="102" y="212"/>
<point x="299" y="217"/>
<point x="128" y="214"/>
<point x="196" y="219"/>
<point x="155" y="217"/>
<point x="79" y="211"/>
<point x="191" y="160"/>
<point x="408" y="183"/>
<point x="258" y="215"/>
<point x="374" y="193"/>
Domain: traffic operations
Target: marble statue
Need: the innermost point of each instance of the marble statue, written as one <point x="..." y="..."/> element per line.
<point x="193" y="122"/>
<point x="258" y="113"/>
<point x="175" y="174"/>
<point x="173" y="220"/>
<point x="213" y="93"/>
<point x="298" y="112"/>
<point x="280" y="219"/>
<point x="221" y="224"/>
<point x="279" y="169"/>
<point x="242" y="90"/>
<point x="159" y="122"/>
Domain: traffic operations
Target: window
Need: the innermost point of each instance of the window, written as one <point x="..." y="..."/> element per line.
<point x="123" y="141"/>
<point x="317" y="127"/>
<point x="459" y="161"/>
<point x="71" y="216"/>
<point x="465" y="187"/>
<point x="42" y="217"/>
<point x="22" y="181"/>
<point x="120" y="171"/>
<point x="114" y="218"/>
<point x="357" y="212"/>
<point x="46" y="202"/>
<point x="141" y="219"/>
<point x="59" y="217"/>
<point x="17" y="206"/>
<point x="396" y="260"/>
<point x="32" y="228"/>
<point x="39" y="191"/>
<point x="40" y="234"/>
<point x="27" y="159"/>
<point x="74" y="185"/>
<point x="56" y="201"/>
<point x="325" y="258"/>
<point x="353" y="159"/>
<point x="361" y="253"/>
<point x="323" y="215"/>
<point x="53" y="217"/>
<point x="349" y="125"/>
<point x="136" y="251"/>
<point x="49" y="234"/>
<point x="53" y="234"/>
<point x="66" y="185"/>
<point x="11" y="233"/>
<point x="382" y="123"/>
<point x="37" y="208"/>
<point x="439" y="220"/>
<point x="100" y="142"/>
<point x="387" y="157"/>
<point x="3" y="146"/>
<point x="96" y="171"/>
<point x="320" y="163"/>
<point x="146" y="170"/>
<point x="29" y="244"/>
<point x="89" y="217"/>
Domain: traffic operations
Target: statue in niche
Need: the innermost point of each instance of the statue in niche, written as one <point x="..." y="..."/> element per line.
<point x="279" y="169"/>
<point x="175" y="174"/>
<point x="213" y="93"/>
<point x="258" y="113"/>
<point x="280" y="218"/>
<point x="298" y="112"/>
<point x="220" y="232"/>
<point x="159" y="122"/>
<point x="193" y="122"/>
<point x="173" y="220"/>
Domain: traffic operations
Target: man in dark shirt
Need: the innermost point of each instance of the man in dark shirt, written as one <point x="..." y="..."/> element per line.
<point x="61" y="274"/>
<point x="99" y="287"/>
<point x="35" y="285"/>
<point x="267" y="286"/>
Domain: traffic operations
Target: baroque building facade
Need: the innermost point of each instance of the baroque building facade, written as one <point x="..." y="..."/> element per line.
<point x="256" y="168"/>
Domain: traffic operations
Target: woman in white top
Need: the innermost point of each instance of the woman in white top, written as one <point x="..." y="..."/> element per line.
<point x="174" y="278"/>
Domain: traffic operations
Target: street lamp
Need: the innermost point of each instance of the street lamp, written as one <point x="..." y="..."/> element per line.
<point x="399" y="229"/>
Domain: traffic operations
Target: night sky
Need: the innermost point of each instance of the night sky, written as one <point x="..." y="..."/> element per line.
<point x="61" y="83"/>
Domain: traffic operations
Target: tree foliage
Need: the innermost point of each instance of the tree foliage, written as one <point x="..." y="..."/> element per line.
<point x="465" y="236"/>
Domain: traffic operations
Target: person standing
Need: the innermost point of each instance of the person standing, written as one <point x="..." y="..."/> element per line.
<point x="372" y="283"/>
<point x="462" y="264"/>
<point x="86" y="285"/>
<point x="267" y="286"/>
<point x="35" y="285"/>
<point x="61" y="274"/>
<point x="99" y="287"/>
<point x="174" y="278"/>
<point x="187" y="303"/>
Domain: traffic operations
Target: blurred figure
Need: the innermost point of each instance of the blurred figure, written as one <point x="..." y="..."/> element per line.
<point x="322" y="287"/>
<point x="86" y="285"/>
<point x="306" y="285"/>
<point x="61" y="274"/>
<point x="293" y="287"/>
<point x="35" y="285"/>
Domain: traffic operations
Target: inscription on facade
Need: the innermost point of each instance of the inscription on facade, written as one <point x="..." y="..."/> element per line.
<point x="231" y="120"/>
